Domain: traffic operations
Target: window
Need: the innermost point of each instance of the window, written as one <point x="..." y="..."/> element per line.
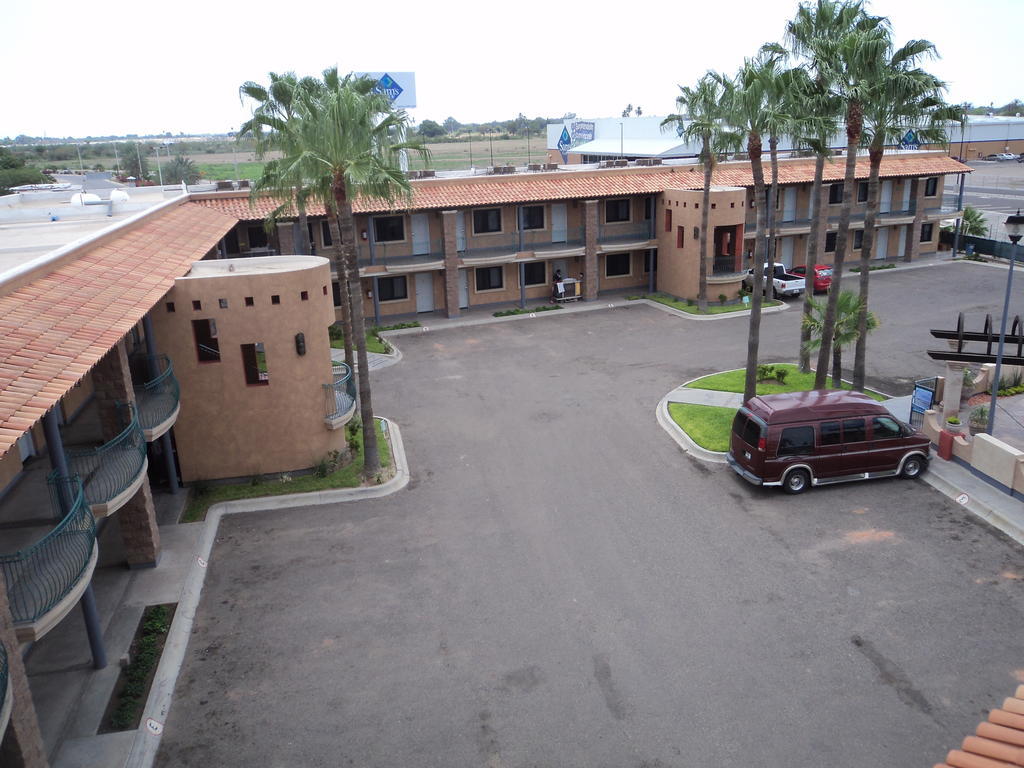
<point x="197" y="306"/>
<point x="862" y="192"/>
<point x="616" y="264"/>
<point x="533" y="217"/>
<point x="931" y="186"/>
<point x="648" y="208"/>
<point x="830" y="242"/>
<point x="858" y="239"/>
<point x="275" y="299"/>
<point x="680" y="236"/>
<point x="222" y="303"/>
<point x="392" y="288"/>
<point x="170" y="306"/>
<point x="796" y="441"/>
<point x="257" y="237"/>
<point x="336" y="288"/>
<point x="650" y="259"/>
<point x="535" y="273"/>
<point x="388" y="229"/>
<point x="254" y="363"/>
<point x="668" y="220"/>
<point x="304" y="295"/>
<point x="853" y="430"/>
<point x="490" y="278"/>
<point x="249" y="301"/>
<point x="752" y="433"/>
<point x="884" y="428"/>
<point x="231" y="242"/>
<point x="831" y="433"/>
<point x="835" y="193"/>
<point x="325" y="233"/>
<point x="926" y="232"/>
<point x="207" y="347"/>
<point x="616" y="211"/>
<point x="696" y="233"/>
<point x="486" y="220"/>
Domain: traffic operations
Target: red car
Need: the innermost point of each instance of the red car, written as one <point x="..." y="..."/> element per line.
<point x="822" y="276"/>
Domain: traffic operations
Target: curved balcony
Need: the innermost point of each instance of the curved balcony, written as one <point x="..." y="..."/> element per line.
<point x="5" y="693"/>
<point x="45" y="580"/>
<point x="339" y="397"/>
<point x="111" y="473"/>
<point x="158" y="401"/>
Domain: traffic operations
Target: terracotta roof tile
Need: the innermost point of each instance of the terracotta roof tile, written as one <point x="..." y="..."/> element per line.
<point x="56" y="328"/>
<point x="575" y="185"/>
<point x="999" y="743"/>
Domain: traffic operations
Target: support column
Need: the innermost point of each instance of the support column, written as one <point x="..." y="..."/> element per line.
<point x="451" y="263"/>
<point x="165" y="439"/>
<point x="376" y="300"/>
<point x="651" y="259"/>
<point x="286" y="237"/>
<point x="913" y="249"/>
<point x="952" y="390"/>
<point x="590" y="224"/>
<point x="113" y="383"/>
<point x="22" y="741"/>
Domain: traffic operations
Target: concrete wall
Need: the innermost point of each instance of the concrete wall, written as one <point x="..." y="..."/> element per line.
<point x="228" y="428"/>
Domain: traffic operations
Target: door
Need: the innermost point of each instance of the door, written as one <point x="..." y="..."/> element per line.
<point x="829" y="460"/>
<point x="460" y="231"/>
<point x="25" y="448"/>
<point x="558" y="225"/>
<point x="463" y="288"/>
<point x="906" y="195"/>
<point x="420" y="235"/>
<point x="885" y="202"/>
<point x="424" y="291"/>
<point x="887" y="444"/>
<point x="786" y="252"/>
<point x="901" y="241"/>
<point x="881" y="242"/>
<point x="789" y="204"/>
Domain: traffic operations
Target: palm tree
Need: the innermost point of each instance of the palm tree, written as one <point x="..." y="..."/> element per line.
<point x="844" y="46"/>
<point x="699" y="118"/>
<point x="181" y="168"/>
<point x="974" y="222"/>
<point x="902" y="97"/>
<point x="845" y="331"/>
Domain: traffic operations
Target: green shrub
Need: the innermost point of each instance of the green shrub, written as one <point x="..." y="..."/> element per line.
<point x="954" y="420"/>
<point x="722" y="298"/>
<point x="781" y="374"/>
<point x="765" y="372"/>
<point x="979" y="415"/>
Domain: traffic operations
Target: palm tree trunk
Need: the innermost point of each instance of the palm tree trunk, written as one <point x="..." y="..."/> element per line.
<point x="346" y="223"/>
<point x="754" y="336"/>
<point x="815" y="246"/>
<point x="854" y="126"/>
<point x="860" y="354"/>
<point x="773" y="201"/>
<point x="705" y="220"/>
<point x="837" y="366"/>
<point x="302" y="244"/>
<point x="341" y="267"/>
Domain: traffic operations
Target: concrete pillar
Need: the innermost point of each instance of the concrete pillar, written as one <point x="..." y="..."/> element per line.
<point x="913" y="249"/>
<point x="951" y="392"/>
<point x="286" y="237"/>
<point x="22" y="741"/>
<point x="451" y="263"/>
<point x="139" y="531"/>
<point x="112" y="380"/>
<point x="590" y="225"/>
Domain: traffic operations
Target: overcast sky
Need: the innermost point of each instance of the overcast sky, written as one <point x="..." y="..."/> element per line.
<point x="78" y="69"/>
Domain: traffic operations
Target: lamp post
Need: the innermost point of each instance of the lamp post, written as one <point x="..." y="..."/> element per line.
<point x="1015" y="229"/>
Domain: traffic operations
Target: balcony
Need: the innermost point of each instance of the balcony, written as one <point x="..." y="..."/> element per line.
<point x="5" y="693"/>
<point x="802" y="226"/>
<point x="158" y="400"/>
<point x="625" y="237"/>
<point x="111" y="473"/>
<point x="339" y="397"/>
<point x="45" y="579"/>
<point x="537" y="241"/>
<point x="401" y="257"/>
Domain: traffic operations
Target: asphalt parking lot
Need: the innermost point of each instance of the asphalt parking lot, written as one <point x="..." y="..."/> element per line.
<point x="560" y="585"/>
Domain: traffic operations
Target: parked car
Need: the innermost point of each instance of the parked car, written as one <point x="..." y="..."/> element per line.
<point x="799" y="439"/>
<point x="1001" y="156"/>
<point x="784" y="283"/>
<point x="822" y="276"/>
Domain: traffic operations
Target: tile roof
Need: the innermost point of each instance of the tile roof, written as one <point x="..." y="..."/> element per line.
<point x="58" y="326"/>
<point x="576" y="185"/>
<point x="998" y="743"/>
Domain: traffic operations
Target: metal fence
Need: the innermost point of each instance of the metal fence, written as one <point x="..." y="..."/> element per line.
<point x="981" y="245"/>
<point x="108" y="469"/>
<point x="157" y="399"/>
<point x="399" y="254"/>
<point x="38" y="577"/>
<point x="339" y="396"/>
<point x="628" y="234"/>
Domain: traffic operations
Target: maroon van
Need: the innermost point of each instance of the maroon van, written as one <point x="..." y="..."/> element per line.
<point x="799" y="439"/>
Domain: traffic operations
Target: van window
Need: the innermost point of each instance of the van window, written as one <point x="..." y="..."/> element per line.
<point x="738" y="423"/>
<point x="853" y="430"/>
<point x="884" y="428"/>
<point x="752" y="433"/>
<point x="796" y="441"/>
<point x="831" y="433"/>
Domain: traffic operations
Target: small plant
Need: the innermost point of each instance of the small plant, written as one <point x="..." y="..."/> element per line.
<point x="781" y="374"/>
<point x="722" y="298"/>
<point x="969" y="377"/>
<point x="257" y="479"/>
<point x="690" y="302"/>
<point x="979" y="415"/>
<point x="634" y="297"/>
<point x="766" y="372"/>
<point x="322" y="468"/>
<point x="1011" y="384"/>
<point x="285" y="478"/>
<point x="953" y="420"/>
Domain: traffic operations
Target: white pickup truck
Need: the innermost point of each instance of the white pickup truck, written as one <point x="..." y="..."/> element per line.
<point x="784" y="283"/>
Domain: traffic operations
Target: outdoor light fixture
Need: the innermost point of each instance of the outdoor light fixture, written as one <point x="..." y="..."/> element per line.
<point x="1014" y="228"/>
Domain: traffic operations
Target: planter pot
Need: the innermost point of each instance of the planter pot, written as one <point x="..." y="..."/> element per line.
<point x="976" y="428"/>
<point x="954" y="429"/>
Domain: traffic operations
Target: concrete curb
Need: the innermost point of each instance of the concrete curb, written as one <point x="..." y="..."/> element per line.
<point x="147" y="737"/>
<point x="974" y="505"/>
<point x="705" y="318"/>
<point x="682" y="439"/>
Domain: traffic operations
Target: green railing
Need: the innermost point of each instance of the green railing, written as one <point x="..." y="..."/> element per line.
<point x="157" y="399"/>
<point x="38" y="577"/>
<point x="109" y="469"/>
<point x="339" y="396"/>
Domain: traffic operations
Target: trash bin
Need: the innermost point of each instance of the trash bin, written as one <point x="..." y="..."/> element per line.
<point x="945" y="445"/>
<point x="969" y="249"/>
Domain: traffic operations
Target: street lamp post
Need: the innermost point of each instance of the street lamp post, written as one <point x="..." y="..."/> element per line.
<point x="1015" y="229"/>
<point x="159" y="170"/>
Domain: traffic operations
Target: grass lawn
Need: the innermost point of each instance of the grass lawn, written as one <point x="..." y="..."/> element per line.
<point x="343" y="477"/>
<point x="732" y="381"/>
<point x="374" y="343"/>
<point x="707" y="425"/>
<point x="220" y="171"/>
<point x="713" y="308"/>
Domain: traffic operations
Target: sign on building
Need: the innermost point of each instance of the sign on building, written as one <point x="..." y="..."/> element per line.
<point x="910" y="141"/>
<point x="400" y="87"/>
<point x="582" y="131"/>
<point x="565" y="144"/>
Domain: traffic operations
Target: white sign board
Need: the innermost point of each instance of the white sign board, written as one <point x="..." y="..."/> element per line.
<point x="400" y="86"/>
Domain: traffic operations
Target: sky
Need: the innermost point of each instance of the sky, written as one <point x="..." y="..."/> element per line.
<point x="86" y="69"/>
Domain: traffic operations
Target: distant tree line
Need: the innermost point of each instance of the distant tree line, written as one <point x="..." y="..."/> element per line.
<point x="452" y="130"/>
<point x="14" y="172"/>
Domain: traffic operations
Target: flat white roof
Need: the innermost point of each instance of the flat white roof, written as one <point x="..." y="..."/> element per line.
<point x="253" y="265"/>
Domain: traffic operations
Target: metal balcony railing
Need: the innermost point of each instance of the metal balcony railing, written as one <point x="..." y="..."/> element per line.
<point x="158" y="398"/>
<point x="109" y="469"/>
<point x="399" y="254"/>
<point x="540" y="241"/>
<point x="40" y="576"/>
<point x="340" y="395"/>
<point x="625" y="233"/>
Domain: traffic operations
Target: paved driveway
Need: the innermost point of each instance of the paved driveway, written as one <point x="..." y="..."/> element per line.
<point x="561" y="586"/>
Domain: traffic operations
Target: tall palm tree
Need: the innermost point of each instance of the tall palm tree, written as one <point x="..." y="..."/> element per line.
<point x="902" y="97"/>
<point x="843" y="46"/>
<point x="699" y="118"/>
<point x="345" y="143"/>
<point x="845" y="331"/>
<point x="778" y="84"/>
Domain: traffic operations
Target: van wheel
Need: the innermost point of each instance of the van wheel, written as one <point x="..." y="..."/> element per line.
<point x="796" y="481"/>
<point x="914" y="466"/>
